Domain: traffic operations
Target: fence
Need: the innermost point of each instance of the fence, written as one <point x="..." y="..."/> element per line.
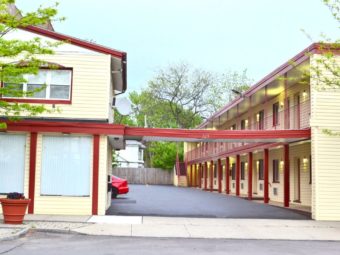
<point x="152" y="176"/>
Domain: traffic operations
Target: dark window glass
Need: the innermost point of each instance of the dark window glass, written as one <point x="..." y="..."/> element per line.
<point x="261" y="177"/>
<point x="275" y="114"/>
<point x="233" y="171"/>
<point x="261" y="119"/>
<point x="242" y="170"/>
<point x="276" y="173"/>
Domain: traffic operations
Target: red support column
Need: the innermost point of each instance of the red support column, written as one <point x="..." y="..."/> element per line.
<point x="205" y="175"/>
<point x="219" y="165"/>
<point x="33" y="157"/>
<point x="95" y="174"/>
<point x="191" y="175"/>
<point x="199" y="175"/>
<point x="238" y="171"/>
<point x="211" y="175"/>
<point x="266" y="176"/>
<point x="250" y="176"/>
<point x="227" y="175"/>
<point x="286" y="176"/>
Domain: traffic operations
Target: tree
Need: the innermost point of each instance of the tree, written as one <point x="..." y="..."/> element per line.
<point x="191" y="92"/>
<point x="21" y="57"/>
<point x="179" y="96"/>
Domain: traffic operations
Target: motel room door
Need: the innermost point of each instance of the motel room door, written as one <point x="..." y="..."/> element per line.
<point x="297" y="180"/>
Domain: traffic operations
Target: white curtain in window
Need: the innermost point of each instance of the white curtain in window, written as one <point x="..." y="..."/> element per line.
<point x="66" y="165"/>
<point x="12" y="163"/>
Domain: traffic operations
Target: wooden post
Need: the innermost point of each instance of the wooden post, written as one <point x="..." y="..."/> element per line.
<point x="238" y="171"/>
<point x="227" y="175"/>
<point x="266" y="176"/>
<point x="250" y="176"/>
<point x="286" y="176"/>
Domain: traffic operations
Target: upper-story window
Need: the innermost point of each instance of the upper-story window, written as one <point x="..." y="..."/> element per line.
<point x="54" y="84"/>
<point x="276" y="114"/>
<point x="233" y="127"/>
<point x="244" y="124"/>
<point x="260" y="119"/>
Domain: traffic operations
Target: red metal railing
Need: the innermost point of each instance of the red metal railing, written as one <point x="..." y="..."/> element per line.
<point x="294" y="117"/>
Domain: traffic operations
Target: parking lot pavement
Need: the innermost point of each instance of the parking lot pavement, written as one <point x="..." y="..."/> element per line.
<point x="170" y="201"/>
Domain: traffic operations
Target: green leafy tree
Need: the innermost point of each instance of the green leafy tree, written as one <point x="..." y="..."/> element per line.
<point x="179" y="96"/>
<point x="191" y="92"/>
<point x="21" y="57"/>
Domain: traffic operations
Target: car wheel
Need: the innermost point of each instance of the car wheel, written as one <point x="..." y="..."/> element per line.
<point x="114" y="192"/>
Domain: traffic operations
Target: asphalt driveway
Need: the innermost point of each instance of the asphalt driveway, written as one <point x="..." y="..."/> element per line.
<point x="154" y="200"/>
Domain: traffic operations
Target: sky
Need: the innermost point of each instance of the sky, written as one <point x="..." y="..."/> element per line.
<point x="215" y="35"/>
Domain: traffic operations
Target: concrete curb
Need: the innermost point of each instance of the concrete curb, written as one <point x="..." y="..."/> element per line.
<point x="16" y="235"/>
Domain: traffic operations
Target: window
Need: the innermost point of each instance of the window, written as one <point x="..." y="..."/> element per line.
<point x="260" y="167"/>
<point x="244" y="124"/>
<point x="276" y="114"/>
<point x="233" y="171"/>
<point x="242" y="170"/>
<point x="57" y="85"/>
<point x="260" y="120"/>
<point x="12" y="163"/>
<point x="66" y="165"/>
<point x="276" y="173"/>
<point x="215" y="170"/>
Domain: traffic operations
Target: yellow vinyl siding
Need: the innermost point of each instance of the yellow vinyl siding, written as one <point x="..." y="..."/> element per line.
<point x="90" y="86"/>
<point x="90" y="92"/>
<point x="325" y="114"/>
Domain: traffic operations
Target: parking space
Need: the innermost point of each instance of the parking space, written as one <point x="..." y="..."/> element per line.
<point x="153" y="200"/>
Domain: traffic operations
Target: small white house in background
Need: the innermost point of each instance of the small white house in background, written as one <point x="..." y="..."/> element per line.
<point x="132" y="156"/>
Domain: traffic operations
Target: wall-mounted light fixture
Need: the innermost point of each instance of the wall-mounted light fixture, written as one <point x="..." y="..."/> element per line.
<point x="304" y="163"/>
<point x="282" y="104"/>
<point x="304" y="94"/>
<point x="281" y="165"/>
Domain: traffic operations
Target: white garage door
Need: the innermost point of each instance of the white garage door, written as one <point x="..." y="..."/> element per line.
<point x="66" y="166"/>
<point x="12" y="163"/>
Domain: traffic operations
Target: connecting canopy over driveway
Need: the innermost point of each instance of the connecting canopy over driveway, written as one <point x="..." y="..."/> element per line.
<point x="117" y="132"/>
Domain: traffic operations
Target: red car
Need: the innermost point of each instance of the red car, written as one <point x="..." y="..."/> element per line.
<point x="119" y="186"/>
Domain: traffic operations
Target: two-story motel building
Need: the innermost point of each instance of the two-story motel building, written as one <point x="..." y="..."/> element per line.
<point x="61" y="159"/>
<point x="305" y="172"/>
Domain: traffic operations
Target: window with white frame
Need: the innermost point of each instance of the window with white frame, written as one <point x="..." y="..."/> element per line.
<point x="12" y="163"/>
<point x="54" y="84"/>
<point x="66" y="165"/>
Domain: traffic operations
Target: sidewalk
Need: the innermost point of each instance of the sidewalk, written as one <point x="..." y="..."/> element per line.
<point x="137" y="226"/>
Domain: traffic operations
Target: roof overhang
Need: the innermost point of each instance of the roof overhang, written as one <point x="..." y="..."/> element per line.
<point x="119" y="57"/>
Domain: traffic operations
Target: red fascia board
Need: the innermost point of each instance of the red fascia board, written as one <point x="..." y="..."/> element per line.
<point x="297" y="59"/>
<point x="75" y="41"/>
<point x="216" y="134"/>
<point x="66" y="127"/>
